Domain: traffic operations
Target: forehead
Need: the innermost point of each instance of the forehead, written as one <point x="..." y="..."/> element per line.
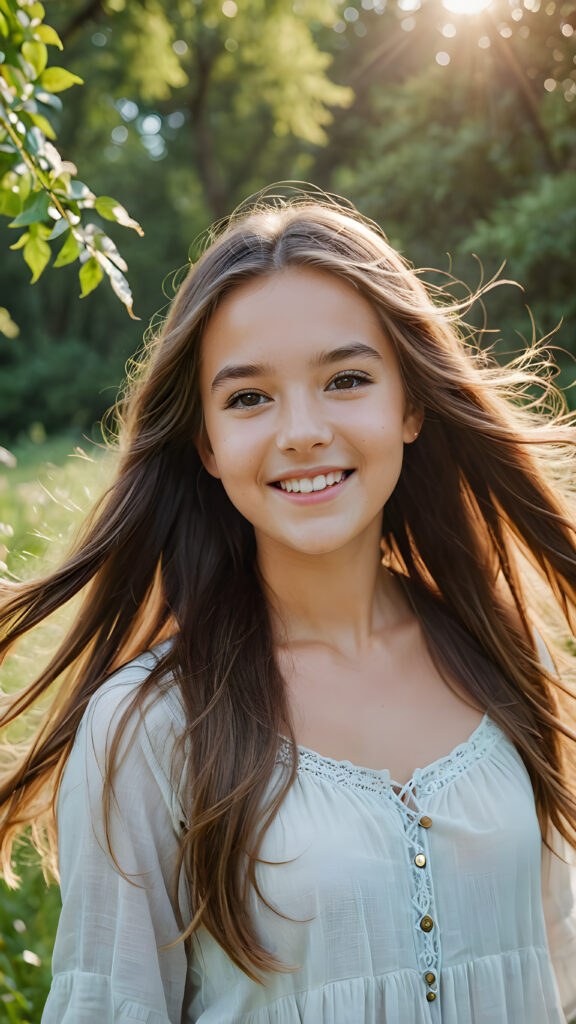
<point x="290" y="312"/>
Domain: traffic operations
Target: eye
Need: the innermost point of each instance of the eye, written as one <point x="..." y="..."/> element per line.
<point x="348" y="381"/>
<point x="245" y="400"/>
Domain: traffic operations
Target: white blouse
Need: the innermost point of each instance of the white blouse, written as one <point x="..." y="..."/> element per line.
<point x="440" y="908"/>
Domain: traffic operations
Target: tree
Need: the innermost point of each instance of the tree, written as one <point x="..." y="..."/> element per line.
<point x="39" y="190"/>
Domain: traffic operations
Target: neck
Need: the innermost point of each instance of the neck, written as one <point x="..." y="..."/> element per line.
<point x="341" y="599"/>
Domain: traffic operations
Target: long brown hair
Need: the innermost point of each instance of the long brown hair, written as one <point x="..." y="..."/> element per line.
<point x="482" y="496"/>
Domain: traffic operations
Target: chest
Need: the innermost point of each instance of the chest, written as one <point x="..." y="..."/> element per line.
<point x="357" y="865"/>
<point x="391" y="709"/>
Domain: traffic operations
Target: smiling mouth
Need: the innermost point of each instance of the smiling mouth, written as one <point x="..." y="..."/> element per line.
<point x="308" y="484"/>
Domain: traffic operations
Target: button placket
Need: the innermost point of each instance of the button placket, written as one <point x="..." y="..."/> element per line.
<point x="417" y="829"/>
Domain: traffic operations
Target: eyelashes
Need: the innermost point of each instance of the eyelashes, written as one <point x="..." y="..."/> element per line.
<point x="236" y="400"/>
<point x="346" y="380"/>
<point x="356" y="376"/>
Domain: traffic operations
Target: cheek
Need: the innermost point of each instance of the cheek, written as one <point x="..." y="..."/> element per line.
<point x="237" y="454"/>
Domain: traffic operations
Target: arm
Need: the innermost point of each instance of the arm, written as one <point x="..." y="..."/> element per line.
<point x="559" y="900"/>
<point x="107" y="964"/>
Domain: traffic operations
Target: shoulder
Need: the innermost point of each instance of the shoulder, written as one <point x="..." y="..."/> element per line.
<point x="140" y="733"/>
<point x="161" y="704"/>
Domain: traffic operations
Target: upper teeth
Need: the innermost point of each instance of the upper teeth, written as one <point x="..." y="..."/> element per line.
<point x="306" y="484"/>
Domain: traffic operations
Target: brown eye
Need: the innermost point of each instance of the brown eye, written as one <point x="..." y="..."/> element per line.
<point x="349" y="381"/>
<point x="245" y="400"/>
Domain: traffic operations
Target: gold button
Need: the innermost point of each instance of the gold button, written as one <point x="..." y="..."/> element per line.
<point x="430" y="996"/>
<point x="420" y="860"/>
<point x="425" y="821"/>
<point x="430" y="978"/>
<point x="426" y="923"/>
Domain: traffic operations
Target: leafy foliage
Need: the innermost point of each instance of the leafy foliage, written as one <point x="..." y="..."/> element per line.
<point x="193" y="106"/>
<point x="38" y="190"/>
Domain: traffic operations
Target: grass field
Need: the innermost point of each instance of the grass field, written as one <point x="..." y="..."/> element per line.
<point x="42" y="499"/>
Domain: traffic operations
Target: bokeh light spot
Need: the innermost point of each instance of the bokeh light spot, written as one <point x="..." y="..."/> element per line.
<point x="231" y="45"/>
<point x="229" y="9"/>
<point x="351" y="14"/>
<point x="567" y="30"/>
<point x="449" y="31"/>
<point x="119" y="134"/>
<point x="127" y="108"/>
<point x="484" y="42"/>
<point x="408" y="24"/>
<point x="151" y="124"/>
<point x="180" y="46"/>
<point x="550" y="84"/>
<point x="465" y="6"/>
<point x="443" y="58"/>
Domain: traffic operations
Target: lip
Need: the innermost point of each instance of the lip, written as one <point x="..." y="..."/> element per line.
<point x="314" y="497"/>
<point x="310" y="471"/>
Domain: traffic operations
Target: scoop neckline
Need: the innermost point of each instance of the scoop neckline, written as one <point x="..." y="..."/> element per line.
<point x="434" y="775"/>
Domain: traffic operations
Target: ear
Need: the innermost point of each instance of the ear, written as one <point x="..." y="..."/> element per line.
<point x="413" y="420"/>
<point x="208" y="459"/>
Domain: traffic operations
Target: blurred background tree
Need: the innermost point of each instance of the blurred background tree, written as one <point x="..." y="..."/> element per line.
<point x="452" y="124"/>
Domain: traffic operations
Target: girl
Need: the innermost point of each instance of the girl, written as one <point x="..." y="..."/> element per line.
<point x="309" y="758"/>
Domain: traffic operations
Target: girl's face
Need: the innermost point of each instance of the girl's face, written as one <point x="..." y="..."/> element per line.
<point x="305" y="413"/>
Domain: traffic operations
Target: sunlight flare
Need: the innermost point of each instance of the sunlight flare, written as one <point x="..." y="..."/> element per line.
<point x="465" y="6"/>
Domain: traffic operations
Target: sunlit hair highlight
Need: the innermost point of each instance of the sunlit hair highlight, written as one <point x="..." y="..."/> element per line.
<point x="483" y="507"/>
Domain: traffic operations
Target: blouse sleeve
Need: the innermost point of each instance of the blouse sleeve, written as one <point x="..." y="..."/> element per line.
<point x="559" y="895"/>
<point x="108" y="966"/>
<point x="559" y="900"/>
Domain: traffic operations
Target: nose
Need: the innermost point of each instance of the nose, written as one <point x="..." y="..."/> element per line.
<point x="302" y="425"/>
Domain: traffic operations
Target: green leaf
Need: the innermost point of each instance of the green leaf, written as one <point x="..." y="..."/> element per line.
<point x="10" y="204"/>
<point x="49" y="36"/>
<point x="111" y="209"/>
<point x="47" y="98"/>
<point x="36" y="54"/>
<point x="21" y="241"/>
<point x="78" y="190"/>
<point x="37" y="253"/>
<point x="120" y="285"/>
<point x="43" y="124"/>
<point x="58" y="79"/>
<point x="90" y="276"/>
<point x="35" y="209"/>
<point x="107" y="246"/>
<point x="69" y="252"/>
<point x="7" y="326"/>
<point x="59" y="228"/>
<point x="36" y="11"/>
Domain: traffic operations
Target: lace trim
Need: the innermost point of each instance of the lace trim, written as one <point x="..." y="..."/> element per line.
<point x="425" y="781"/>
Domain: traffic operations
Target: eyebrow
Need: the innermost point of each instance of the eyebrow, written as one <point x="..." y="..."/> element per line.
<point x="239" y="371"/>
